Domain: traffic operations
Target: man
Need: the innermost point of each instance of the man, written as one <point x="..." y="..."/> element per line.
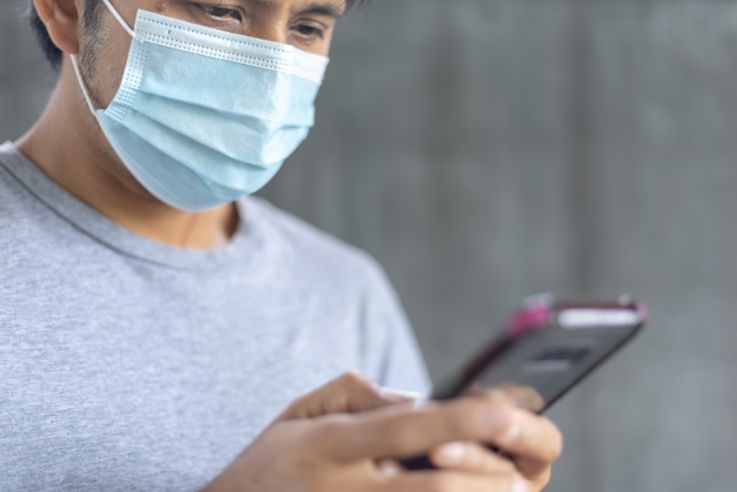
<point x="155" y="319"/>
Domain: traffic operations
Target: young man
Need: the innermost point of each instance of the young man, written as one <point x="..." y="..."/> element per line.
<point x="155" y="319"/>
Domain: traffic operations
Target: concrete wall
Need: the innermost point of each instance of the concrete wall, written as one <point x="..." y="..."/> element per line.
<point x="487" y="149"/>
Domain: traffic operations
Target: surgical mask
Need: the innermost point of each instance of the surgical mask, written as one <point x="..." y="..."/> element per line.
<point x="204" y="117"/>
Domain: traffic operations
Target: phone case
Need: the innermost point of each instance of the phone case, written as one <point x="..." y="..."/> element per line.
<point x="548" y="347"/>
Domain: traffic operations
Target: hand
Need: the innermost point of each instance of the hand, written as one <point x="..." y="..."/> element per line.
<point x="529" y="448"/>
<point x="534" y="467"/>
<point x="471" y="457"/>
<point x="321" y="444"/>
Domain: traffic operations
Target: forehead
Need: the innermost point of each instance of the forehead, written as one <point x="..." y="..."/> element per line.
<point x="337" y="6"/>
<point x="292" y="4"/>
<point x="295" y="5"/>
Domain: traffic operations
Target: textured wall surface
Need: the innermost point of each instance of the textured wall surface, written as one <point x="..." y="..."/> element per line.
<point x="487" y="149"/>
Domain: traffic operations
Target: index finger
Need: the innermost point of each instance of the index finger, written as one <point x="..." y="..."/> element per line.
<point x="349" y="393"/>
<point x="403" y="431"/>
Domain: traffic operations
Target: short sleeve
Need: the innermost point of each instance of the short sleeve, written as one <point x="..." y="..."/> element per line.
<point x="391" y="354"/>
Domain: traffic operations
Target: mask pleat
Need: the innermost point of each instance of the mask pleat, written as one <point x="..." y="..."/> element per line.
<point x="216" y="158"/>
<point x="258" y="92"/>
<point x="199" y="130"/>
<point x="163" y="175"/>
<point x="152" y="103"/>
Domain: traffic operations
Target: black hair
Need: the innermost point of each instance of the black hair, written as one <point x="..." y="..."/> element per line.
<point x="53" y="54"/>
<point x="50" y="50"/>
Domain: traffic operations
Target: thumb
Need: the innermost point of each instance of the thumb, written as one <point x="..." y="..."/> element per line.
<point x="350" y="393"/>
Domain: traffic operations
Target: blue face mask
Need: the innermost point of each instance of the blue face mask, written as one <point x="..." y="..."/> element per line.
<point x="204" y="117"/>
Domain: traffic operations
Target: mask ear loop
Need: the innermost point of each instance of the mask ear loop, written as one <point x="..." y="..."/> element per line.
<point x="82" y="85"/>
<point x="120" y="19"/>
<point x="75" y="63"/>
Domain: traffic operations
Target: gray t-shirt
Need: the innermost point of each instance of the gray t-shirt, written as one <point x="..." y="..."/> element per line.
<point x="129" y="365"/>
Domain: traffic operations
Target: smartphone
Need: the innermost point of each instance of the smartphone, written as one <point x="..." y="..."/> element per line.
<point x="548" y="347"/>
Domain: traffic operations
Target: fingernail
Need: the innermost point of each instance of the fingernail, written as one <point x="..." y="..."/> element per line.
<point x="410" y="395"/>
<point x="389" y="469"/>
<point x="520" y="485"/>
<point x="421" y="402"/>
<point x="452" y="453"/>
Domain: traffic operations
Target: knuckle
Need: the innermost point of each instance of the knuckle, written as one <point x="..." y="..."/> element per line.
<point x="502" y="424"/>
<point x="467" y="421"/>
<point x="299" y="407"/>
<point x="352" y="379"/>
<point x="302" y="401"/>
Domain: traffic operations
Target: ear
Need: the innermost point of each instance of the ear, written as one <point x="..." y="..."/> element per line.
<point x="62" y="19"/>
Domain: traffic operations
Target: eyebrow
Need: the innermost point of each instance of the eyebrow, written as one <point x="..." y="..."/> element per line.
<point x="330" y="8"/>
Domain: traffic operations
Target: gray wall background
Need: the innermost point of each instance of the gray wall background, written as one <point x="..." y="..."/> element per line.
<point x="484" y="150"/>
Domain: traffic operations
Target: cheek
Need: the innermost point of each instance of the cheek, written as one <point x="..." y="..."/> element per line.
<point x="109" y="61"/>
<point x="114" y="67"/>
<point x="326" y="47"/>
<point x="327" y="43"/>
<point x="321" y="47"/>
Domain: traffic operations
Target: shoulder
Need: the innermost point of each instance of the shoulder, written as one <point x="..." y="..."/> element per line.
<point x="340" y="273"/>
<point x="315" y="250"/>
<point x="15" y="198"/>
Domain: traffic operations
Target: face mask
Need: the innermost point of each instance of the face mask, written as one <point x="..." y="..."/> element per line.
<point x="204" y="117"/>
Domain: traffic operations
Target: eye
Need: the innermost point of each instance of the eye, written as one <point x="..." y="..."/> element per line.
<point x="310" y="31"/>
<point x="219" y="12"/>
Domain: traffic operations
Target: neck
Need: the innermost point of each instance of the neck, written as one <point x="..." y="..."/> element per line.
<point x="68" y="145"/>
